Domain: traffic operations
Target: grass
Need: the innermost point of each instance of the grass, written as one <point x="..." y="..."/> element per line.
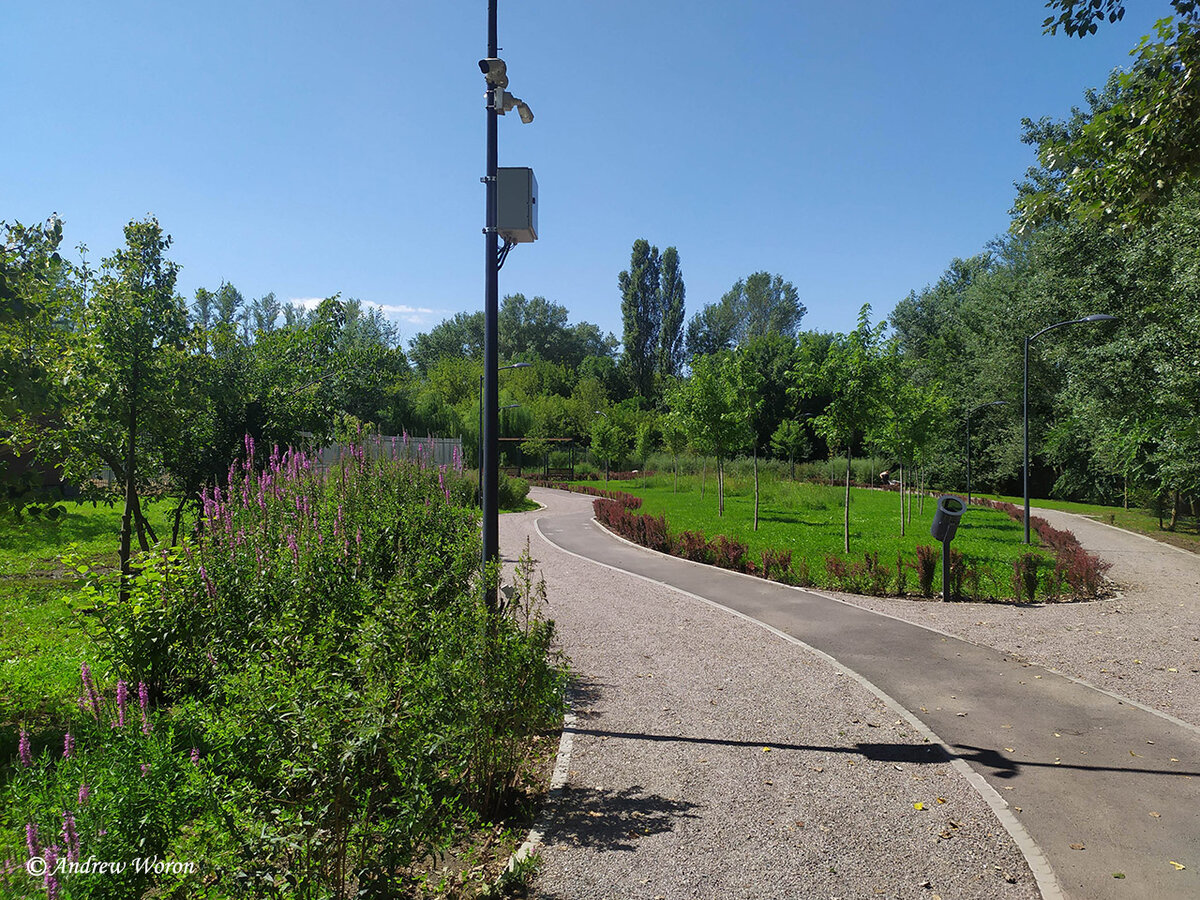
<point x="806" y="519"/>
<point x="1142" y="521"/>
<point x="42" y="641"/>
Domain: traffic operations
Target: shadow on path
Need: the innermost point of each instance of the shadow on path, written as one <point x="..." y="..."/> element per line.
<point x="1001" y="765"/>
<point x="614" y="820"/>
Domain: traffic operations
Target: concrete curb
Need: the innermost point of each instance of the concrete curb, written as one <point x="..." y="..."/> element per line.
<point x="1043" y="874"/>
<point x="558" y="781"/>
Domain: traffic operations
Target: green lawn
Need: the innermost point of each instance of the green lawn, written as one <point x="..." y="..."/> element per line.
<point x="806" y="519"/>
<point x="1140" y="520"/>
<point x="42" y="643"/>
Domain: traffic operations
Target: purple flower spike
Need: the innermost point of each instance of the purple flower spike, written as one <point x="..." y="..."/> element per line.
<point x="84" y="793"/>
<point x="145" y="769"/>
<point x="195" y="756"/>
<point x="50" y="879"/>
<point x="90" y="686"/>
<point x="23" y="749"/>
<point x="122" y="702"/>
<point x="70" y="837"/>
<point x="144" y="703"/>
<point x="68" y="745"/>
<point x="31" y="839"/>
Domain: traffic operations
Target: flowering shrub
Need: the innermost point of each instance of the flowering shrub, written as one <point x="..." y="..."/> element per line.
<point x="336" y="696"/>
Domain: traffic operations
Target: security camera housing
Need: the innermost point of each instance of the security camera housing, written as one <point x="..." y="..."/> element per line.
<point x="495" y="72"/>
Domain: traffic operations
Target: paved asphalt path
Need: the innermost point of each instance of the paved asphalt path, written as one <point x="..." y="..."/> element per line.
<point x="1104" y="787"/>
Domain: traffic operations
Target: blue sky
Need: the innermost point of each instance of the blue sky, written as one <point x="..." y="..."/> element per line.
<point x="310" y="148"/>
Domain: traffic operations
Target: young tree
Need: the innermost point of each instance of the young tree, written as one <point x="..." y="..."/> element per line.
<point x="643" y="445"/>
<point x="710" y="408"/>
<point x="851" y="373"/>
<point x="610" y="441"/>
<point x="790" y="440"/>
<point x="120" y="377"/>
<point x="676" y="439"/>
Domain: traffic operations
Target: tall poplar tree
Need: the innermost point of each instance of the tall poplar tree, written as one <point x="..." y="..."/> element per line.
<point x="641" y="312"/>
<point x="670" y="346"/>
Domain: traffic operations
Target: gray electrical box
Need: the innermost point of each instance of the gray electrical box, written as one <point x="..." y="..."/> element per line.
<point x="516" y="204"/>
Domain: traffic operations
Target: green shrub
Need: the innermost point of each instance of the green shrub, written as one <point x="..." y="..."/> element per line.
<point x="326" y="647"/>
<point x="511" y="491"/>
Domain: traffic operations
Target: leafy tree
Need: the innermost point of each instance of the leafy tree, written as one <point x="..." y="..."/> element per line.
<point x="643" y="445"/>
<point x="120" y="374"/>
<point x="711" y="330"/>
<point x="790" y="440"/>
<point x="756" y="306"/>
<point x="670" y="349"/>
<point x="265" y="312"/>
<point x="610" y="441"/>
<point x="228" y="304"/>
<point x="709" y="407"/>
<point x="641" y="313"/>
<point x="1121" y="162"/>
<point x="676" y="440"/>
<point x="37" y="298"/>
<point x="460" y="337"/>
<point x="852" y="373"/>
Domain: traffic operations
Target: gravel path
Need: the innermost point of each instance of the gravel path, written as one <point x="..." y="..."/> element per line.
<point x="713" y="758"/>
<point x="1144" y="645"/>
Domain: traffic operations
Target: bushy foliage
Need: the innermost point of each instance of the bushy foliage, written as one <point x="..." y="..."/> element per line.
<point x="325" y="646"/>
<point x="926" y="568"/>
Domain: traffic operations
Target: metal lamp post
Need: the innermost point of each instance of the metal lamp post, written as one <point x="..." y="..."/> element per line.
<point x="969" y="413"/>
<point x="1099" y="317"/>
<point x="499" y="101"/>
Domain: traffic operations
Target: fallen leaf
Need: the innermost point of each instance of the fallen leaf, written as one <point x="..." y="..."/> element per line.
<point x="918" y="805"/>
<point x="1009" y="750"/>
<point x="941" y="799"/>
<point x="1156" y="815"/>
<point x="1131" y="753"/>
<point x="1078" y="847"/>
<point x="766" y="749"/>
<point x="1118" y="874"/>
<point x="1179" y="867"/>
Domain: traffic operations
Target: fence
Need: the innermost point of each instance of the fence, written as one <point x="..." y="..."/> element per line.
<point x="439" y="451"/>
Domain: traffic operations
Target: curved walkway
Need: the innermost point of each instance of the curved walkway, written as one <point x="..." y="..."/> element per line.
<point x="1144" y="644"/>
<point x="1103" y="787"/>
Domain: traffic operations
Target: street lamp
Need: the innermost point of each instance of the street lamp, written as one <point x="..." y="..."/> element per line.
<point x="969" y="412"/>
<point x="499" y="101"/>
<point x="1098" y="317"/>
<point x="519" y="365"/>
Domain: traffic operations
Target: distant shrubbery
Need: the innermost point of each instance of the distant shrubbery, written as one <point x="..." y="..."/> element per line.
<point x="1075" y="572"/>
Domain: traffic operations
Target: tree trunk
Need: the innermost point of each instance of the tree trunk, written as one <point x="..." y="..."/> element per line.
<point x="175" y="524"/>
<point x="675" y="487"/>
<point x="1126" y="492"/>
<point x="130" y="497"/>
<point x="1174" y="510"/>
<point x="703" y="474"/>
<point x="756" y="488"/>
<point x="720" y="486"/>
<point x="846" y="508"/>
<point x="902" y="501"/>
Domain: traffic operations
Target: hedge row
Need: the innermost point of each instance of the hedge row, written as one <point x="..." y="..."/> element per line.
<point x="1073" y="565"/>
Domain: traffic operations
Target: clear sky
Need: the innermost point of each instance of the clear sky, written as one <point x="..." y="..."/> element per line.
<point x="309" y="148"/>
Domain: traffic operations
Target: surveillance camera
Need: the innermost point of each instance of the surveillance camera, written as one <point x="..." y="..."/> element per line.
<point x="524" y="112"/>
<point x="495" y="72"/>
<point x="504" y="102"/>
